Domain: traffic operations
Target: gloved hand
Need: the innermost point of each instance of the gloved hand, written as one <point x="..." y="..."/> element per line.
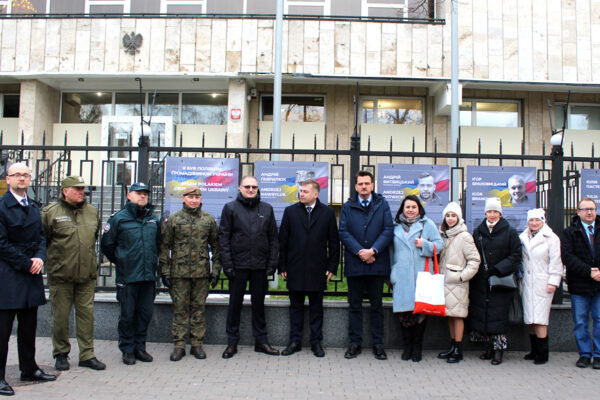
<point x="166" y="281"/>
<point x="214" y="280"/>
<point x="229" y="272"/>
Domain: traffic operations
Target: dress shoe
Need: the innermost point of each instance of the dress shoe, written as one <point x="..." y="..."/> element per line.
<point x="497" y="357"/>
<point x="177" y="354"/>
<point x="93" y="363"/>
<point x="596" y="363"/>
<point x="198" y="352"/>
<point x="38" y="376"/>
<point x="128" y="358"/>
<point x="379" y="352"/>
<point x="353" y="351"/>
<point x="266" y="349"/>
<point x="142" y="355"/>
<point x="230" y="351"/>
<point x="62" y="363"/>
<point x="583" y="362"/>
<point x="292" y="348"/>
<point x="5" y="389"/>
<point x="318" y="351"/>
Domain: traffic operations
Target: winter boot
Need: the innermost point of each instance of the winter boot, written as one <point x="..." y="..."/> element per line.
<point x="487" y="355"/>
<point x="457" y="353"/>
<point x="531" y="355"/>
<point x="407" y="342"/>
<point x="541" y="356"/>
<point x="417" y="348"/>
<point x="446" y="353"/>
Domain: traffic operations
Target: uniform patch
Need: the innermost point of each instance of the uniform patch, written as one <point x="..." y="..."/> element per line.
<point x="62" y="218"/>
<point x="107" y="228"/>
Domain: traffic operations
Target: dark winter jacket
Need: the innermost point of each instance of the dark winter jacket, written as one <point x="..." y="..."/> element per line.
<point x="366" y="228"/>
<point x="578" y="259"/>
<point x="21" y="239"/>
<point x="488" y="308"/>
<point x="131" y="240"/>
<point x="307" y="252"/>
<point x="248" y="235"/>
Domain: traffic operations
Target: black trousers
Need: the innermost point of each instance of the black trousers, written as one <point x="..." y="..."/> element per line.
<point x="258" y="290"/>
<point x="137" y="304"/>
<point x="315" y="315"/>
<point x="373" y="285"/>
<point x="27" y="325"/>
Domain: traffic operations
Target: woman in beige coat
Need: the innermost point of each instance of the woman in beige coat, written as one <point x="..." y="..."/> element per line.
<point x="542" y="272"/>
<point x="459" y="262"/>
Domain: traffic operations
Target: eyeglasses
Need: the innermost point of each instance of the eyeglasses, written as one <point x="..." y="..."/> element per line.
<point x="587" y="209"/>
<point x="248" y="187"/>
<point x="19" y="176"/>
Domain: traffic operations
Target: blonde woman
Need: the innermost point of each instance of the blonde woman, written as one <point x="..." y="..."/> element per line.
<point x="542" y="272"/>
<point x="459" y="262"/>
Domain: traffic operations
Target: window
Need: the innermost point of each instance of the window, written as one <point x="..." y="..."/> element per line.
<point x="296" y="108"/>
<point x="383" y="8"/>
<point x="395" y="111"/>
<point x="107" y="6"/>
<point x="204" y="108"/>
<point x="183" y="6"/>
<point x="307" y="7"/>
<point x="579" y="116"/>
<point x="87" y="108"/>
<point x="10" y="105"/>
<point x="490" y="113"/>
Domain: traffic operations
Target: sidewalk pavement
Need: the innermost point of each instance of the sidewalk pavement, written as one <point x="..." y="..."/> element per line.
<point x="251" y="375"/>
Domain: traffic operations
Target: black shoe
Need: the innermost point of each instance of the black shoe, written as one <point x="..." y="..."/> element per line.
<point x="198" y="352"/>
<point x="128" y="358"/>
<point x="266" y="349"/>
<point x="38" y="376"/>
<point x="497" y="357"/>
<point x="62" y="363"/>
<point x="142" y="355"/>
<point x="596" y="363"/>
<point x="487" y="355"/>
<point x="417" y="352"/>
<point x="318" y="351"/>
<point x="5" y="389"/>
<point x="93" y="363"/>
<point x="457" y="353"/>
<point x="583" y="362"/>
<point x="379" y="352"/>
<point x="531" y="355"/>
<point x="292" y="348"/>
<point x="353" y="351"/>
<point x="541" y="356"/>
<point x="177" y="354"/>
<point x="230" y="351"/>
<point x="446" y="353"/>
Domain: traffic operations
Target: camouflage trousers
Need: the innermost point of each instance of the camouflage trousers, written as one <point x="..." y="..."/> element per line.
<point x="189" y="300"/>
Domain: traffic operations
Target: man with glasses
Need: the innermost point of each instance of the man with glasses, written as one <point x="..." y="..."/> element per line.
<point x="22" y="256"/>
<point x="581" y="256"/>
<point x="249" y="252"/>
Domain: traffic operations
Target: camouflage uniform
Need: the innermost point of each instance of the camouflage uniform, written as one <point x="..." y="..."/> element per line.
<point x="184" y="255"/>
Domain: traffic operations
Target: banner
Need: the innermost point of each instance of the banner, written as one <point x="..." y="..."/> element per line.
<point x="216" y="177"/>
<point x="590" y="185"/>
<point x="430" y="183"/>
<point x="515" y="186"/>
<point x="279" y="182"/>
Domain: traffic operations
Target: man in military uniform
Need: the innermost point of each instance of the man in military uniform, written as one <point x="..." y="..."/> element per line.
<point x="189" y="236"/>
<point x="131" y="240"/>
<point x="71" y="226"/>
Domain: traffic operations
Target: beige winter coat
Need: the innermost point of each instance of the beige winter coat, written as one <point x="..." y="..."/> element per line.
<point x="459" y="262"/>
<point x="542" y="266"/>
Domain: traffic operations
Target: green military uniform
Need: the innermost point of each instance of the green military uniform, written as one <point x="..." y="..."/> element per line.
<point x="72" y="262"/>
<point x="184" y="255"/>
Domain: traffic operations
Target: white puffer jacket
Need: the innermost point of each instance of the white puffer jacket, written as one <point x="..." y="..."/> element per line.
<point x="542" y="266"/>
<point x="459" y="262"/>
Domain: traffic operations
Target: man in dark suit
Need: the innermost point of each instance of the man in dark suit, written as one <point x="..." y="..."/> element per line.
<point x="22" y="255"/>
<point x="309" y="253"/>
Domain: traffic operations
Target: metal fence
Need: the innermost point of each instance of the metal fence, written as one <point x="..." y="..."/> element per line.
<point x="117" y="165"/>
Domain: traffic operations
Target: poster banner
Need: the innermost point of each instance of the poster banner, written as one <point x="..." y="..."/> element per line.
<point x="590" y="185"/>
<point x="216" y="177"/>
<point x="515" y="186"/>
<point x="279" y="181"/>
<point x="431" y="183"/>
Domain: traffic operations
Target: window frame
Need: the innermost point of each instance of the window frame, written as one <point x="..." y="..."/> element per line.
<point x="324" y="96"/>
<point x="125" y="3"/>
<point x="563" y="104"/>
<point x="474" y="102"/>
<point x="2" y="103"/>
<point x="376" y="98"/>
<point x="164" y="4"/>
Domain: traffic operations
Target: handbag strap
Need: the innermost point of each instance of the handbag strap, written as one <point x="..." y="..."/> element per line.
<point x="483" y="252"/>
<point x="436" y="266"/>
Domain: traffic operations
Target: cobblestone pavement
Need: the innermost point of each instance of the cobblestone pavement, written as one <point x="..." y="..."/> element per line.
<point x="251" y="375"/>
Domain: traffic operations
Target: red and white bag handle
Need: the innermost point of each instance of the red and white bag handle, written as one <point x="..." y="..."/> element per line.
<point x="436" y="267"/>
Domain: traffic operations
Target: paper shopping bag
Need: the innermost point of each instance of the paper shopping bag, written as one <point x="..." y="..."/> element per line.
<point x="429" y="293"/>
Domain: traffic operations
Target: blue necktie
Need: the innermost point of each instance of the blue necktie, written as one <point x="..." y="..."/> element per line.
<point x="591" y="237"/>
<point x="365" y="203"/>
<point x="24" y="202"/>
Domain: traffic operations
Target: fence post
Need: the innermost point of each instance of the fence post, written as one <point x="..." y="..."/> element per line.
<point x="143" y="158"/>
<point x="556" y="202"/>
<point x="354" y="146"/>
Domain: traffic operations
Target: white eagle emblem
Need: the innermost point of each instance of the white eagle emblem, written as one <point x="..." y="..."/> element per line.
<point x="132" y="43"/>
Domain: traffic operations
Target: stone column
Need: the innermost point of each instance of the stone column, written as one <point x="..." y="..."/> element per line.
<point x="238" y="114"/>
<point x="38" y="111"/>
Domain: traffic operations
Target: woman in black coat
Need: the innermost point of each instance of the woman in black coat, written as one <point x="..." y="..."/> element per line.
<point x="488" y="307"/>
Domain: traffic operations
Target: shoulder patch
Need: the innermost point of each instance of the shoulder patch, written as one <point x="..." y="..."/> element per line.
<point x="107" y="227"/>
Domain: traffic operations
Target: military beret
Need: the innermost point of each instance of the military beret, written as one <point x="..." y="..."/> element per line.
<point x="72" y="181"/>
<point x="192" y="190"/>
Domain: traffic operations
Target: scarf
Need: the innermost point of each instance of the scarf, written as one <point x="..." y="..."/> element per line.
<point x="407" y="222"/>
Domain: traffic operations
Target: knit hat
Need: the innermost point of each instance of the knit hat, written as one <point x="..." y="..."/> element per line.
<point x="538" y="213"/>
<point x="453" y="207"/>
<point x="493" y="204"/>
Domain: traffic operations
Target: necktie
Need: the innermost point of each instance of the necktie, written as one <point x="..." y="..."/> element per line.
<point x="24" y="202"/>
<point x="365" y="203"/>
<point x="591" y="237"/>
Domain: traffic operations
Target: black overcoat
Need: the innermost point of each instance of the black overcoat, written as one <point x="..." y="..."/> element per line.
<point x="21" y="239"/>
<point x="488" y="308"/>
<point x="579" y="258"/>
<point x="306" y="251"/>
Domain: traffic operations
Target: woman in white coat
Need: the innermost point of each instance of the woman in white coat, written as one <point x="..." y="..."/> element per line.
<point x="459" y="262"/>
<point x="542" y="272"/>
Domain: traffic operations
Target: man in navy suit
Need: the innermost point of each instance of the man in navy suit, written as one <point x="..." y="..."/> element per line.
<point x="309" y="253"/>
